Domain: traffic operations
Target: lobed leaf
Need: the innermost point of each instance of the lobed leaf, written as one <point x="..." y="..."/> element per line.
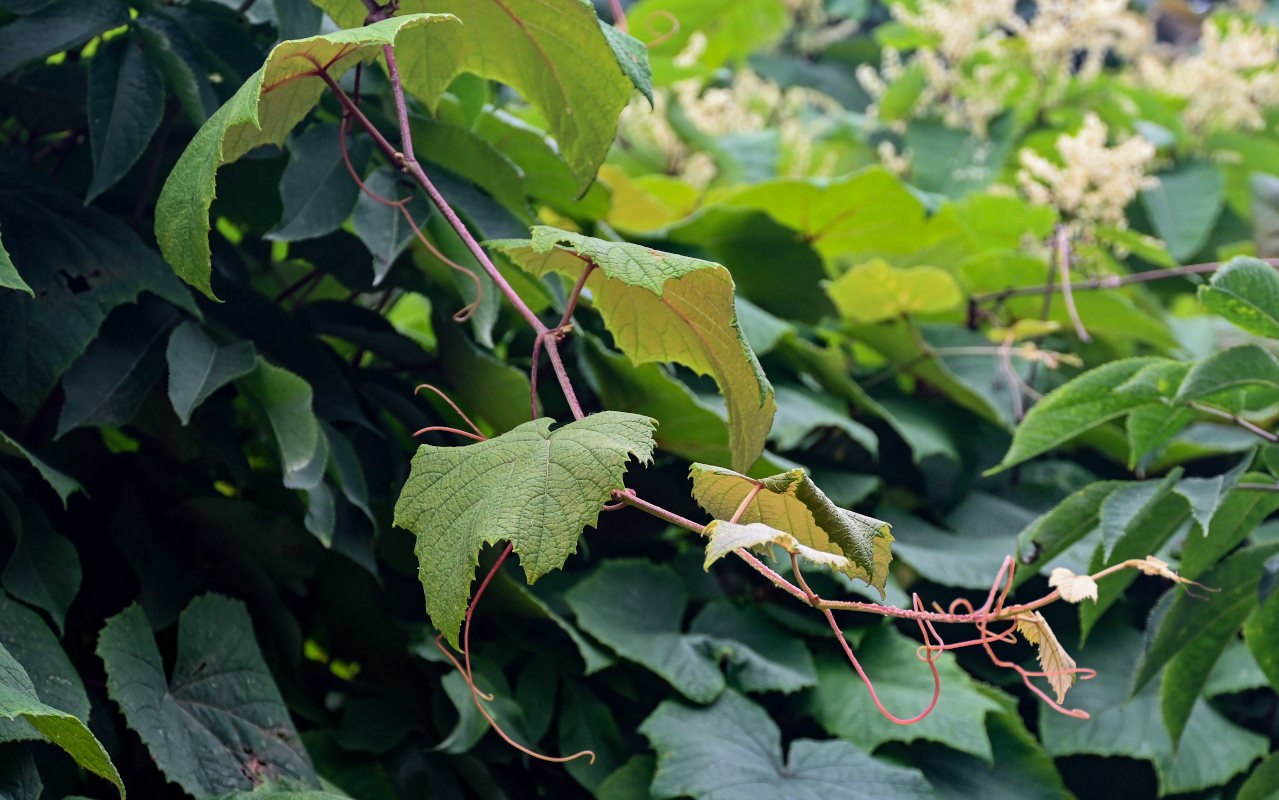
<point x="531" y="486"/>
<point x="217" y="723"/>
<point x="263" y="111"/>
<point x="792" y="503"/>
<point x="552" y="52"/>
<point x="665" y="307"/>
<point x="731" y="749"/>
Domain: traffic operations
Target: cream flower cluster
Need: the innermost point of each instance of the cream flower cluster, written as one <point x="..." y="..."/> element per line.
<point x="1061" y="30"/>
<point x="1094" y="183"/>
<point x="1227" y="84"/>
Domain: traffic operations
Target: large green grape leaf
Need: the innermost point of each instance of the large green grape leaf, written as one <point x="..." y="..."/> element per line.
<point x="665" y="307"/>
<point x="531" y="486"/>
<point x="550" y="51"/>
<point x="218" y="723"/>
<point x="1246" y="292"/>
<point x="731" y="749"/>
<point x="792" y="503"/>
<point x="1087" y="401"/>
<point x="263" y="111"/>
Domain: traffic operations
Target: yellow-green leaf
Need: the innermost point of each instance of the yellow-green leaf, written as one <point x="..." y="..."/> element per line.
<point x="665" y="307"/>
<point x="876" y="291"/>
<point x="550" y="51"/>
<point x="792" y="504"/>
<point x="273" y="100"/>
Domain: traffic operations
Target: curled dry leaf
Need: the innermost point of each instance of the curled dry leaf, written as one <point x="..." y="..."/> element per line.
<point x="1074" y="588"/>
<point x="1053" y="658"/>
<point x="1154" y="566"/>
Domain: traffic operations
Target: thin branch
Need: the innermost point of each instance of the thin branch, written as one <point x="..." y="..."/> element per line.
<point x="1110" y="281"/>
<point x="1238" y="420"/>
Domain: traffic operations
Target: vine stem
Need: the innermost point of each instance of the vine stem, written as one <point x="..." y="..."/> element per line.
<point x="407" y="161"/>
<point x="1238" y="420"/>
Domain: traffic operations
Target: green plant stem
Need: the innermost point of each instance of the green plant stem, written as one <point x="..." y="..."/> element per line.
<point x="1109" y="282"/>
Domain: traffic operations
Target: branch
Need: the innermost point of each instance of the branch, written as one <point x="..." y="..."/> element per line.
<point x="1110" y="281"/>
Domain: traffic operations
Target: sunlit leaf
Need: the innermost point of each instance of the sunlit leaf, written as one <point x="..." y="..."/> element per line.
<point x="1074" y="588"/>
<point x="531" y="486"/>
<point x="877" y="291"/>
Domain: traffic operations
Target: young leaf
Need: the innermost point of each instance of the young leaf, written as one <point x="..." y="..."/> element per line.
<point x="262" y="111"/>
<point x="126" y="103"/>
<point x="531" y="486"/>
<point x="199" y="366"/>
<point x="1080" y="405"/>
<point x="1236" y="368"/>
<point x="731" y="749"/>
<point x="665" y="307"/>
<point x="9" y="277"/>
<point x="1074" y="588"/>
<point x="18" y="699"/>
<point x="876" y="291"/>
<point x="218" y="723"/>
<point x="1053" y="658"/>
<point x="550" y="51"/>
<point x="792" y="503"/>
<point x="1246" y="292"/>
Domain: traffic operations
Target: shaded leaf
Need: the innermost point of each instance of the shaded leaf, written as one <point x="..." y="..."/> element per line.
<point x="665" y="307"/>
<point x="18" y="699"/>
<point x="1263" y="782"/>
<point x="285" y="401"/>
<point x="731" y="749"/>
<point x="759" y="656"/>
<point x="905" y="686"/>
<point x="29" y="640"/>
<point x="44" y="569"/>
<point x="9" y="277"/>
<point x="179" y="60"/>
<point x="262" y="111"/>
<point x="316" y="190"/>
<point x="209" y="732"/>
<point x="106" y="385"/>
<point x="56" y="27"/>
<point x="800" y="413"/>
<point x="792" y="503"/>
<point x="126" y="102"/>
<point x="536" y="488"/>
<point x="383" y="228"/>
<point x="81" y="263"/>
<point x="199" y="366"/>
<point x="637" y="609"/>
<point x="63" y="484"/>
<point x="1261" y="631"/>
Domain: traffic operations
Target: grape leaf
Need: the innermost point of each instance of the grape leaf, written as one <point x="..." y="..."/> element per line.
<point x="550" y="51"/>
<point x="531" y="486"/>
<point x="792" y="503"/>
<point x="1246" y="292"/>
<point x="263" y="111"/>
<point x="207" y="732"/>
<point x="731" y="749"/>
<point x="18" y="699"/>
<point x="665" y="307"/>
